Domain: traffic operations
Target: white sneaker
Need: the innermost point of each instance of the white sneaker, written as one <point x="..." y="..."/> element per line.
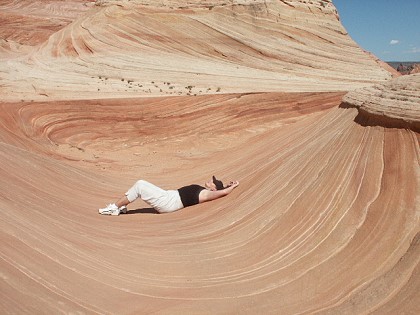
<point x="111" y="209"/>
<point x="123" y="209"/>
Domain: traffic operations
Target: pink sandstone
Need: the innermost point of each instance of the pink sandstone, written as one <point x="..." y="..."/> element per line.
<point x="98" y="94"/>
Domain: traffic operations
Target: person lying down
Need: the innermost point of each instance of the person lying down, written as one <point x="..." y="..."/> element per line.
<point x="164" y="201"/>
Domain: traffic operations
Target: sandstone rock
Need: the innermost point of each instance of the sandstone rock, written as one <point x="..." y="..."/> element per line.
<point x="416" y="69"/>
<point x="325" y="220"/>
<point x="396" y="102"/>
<point x="249" y="46"/>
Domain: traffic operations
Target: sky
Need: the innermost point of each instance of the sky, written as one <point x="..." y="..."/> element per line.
<point x="390" y="29"/>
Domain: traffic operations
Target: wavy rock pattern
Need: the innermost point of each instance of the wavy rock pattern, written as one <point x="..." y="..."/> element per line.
<point x="325" y="221"/>
<point x="122" y="49"/>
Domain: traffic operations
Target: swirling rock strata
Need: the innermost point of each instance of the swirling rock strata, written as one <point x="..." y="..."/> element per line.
<point x="142" y="48"/>
<point x="325" y="220"/>
<point x="394" y="103"/>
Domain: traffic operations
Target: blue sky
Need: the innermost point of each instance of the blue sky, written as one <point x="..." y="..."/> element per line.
<point x="390" y="29"/>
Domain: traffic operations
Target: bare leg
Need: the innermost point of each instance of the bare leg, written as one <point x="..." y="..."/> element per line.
<point x="123" y="201"/>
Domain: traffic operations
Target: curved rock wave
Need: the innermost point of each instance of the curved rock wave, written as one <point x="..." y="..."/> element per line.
<point x="325" y="220"/>
<point x="32" y="22"/>
<point x="326" y="213"/>
<point x="127" y="48"/>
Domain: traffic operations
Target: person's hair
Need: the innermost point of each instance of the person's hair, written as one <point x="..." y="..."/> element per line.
<point x="218" y="183"/>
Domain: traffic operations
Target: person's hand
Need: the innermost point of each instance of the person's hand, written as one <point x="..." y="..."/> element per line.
<point x="233" y="184"/>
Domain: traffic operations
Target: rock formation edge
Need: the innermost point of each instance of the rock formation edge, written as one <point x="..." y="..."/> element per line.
<point x="395" y="103"/>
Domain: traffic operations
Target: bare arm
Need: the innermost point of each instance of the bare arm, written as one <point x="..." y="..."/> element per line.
<point x="208" y="195"/>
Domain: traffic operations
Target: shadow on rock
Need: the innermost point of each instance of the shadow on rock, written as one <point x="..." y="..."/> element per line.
<point x="142" y="211"/>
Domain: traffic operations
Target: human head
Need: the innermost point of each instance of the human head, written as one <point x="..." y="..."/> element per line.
<point x="214" y="184"/>
<point x="218" y="183"/>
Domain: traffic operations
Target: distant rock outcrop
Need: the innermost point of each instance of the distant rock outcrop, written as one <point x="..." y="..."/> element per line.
<point x="408" y="68"/>
<point x="416" y="68"/>
<point x="396" y="102"/>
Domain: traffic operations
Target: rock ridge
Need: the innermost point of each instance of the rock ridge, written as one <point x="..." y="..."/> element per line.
<point x="394" y="103"/>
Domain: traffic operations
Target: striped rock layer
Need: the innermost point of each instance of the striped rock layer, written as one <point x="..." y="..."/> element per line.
<point x="96" y="95"/>
<point x="134" y="48"/>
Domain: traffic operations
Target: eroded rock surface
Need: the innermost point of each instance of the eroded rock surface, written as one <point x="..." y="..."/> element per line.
<point x="396" y="102"/>
<point x="143" y="48"/>
<point x="96" y="95"/>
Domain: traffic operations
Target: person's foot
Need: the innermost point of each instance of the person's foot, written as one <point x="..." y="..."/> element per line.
<point x="111" y="209"/>
<point x="123" y="209"/>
